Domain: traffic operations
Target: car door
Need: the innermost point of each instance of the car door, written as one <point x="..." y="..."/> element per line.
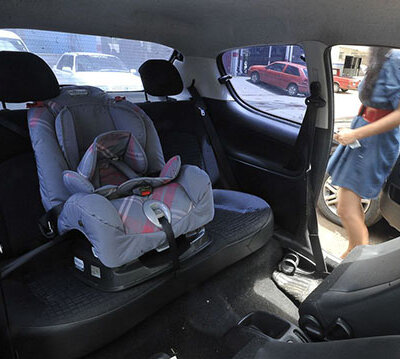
<point x="390" y="197"/>
<point x="259" y="131"/>
<point x="272" y="74"/>
<point x="290" y="75"/>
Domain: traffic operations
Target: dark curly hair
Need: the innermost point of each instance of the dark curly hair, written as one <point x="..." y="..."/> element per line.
<point x="377" y="57"/>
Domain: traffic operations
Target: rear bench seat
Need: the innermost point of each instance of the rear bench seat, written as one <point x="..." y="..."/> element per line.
<point x="48" y="308"/>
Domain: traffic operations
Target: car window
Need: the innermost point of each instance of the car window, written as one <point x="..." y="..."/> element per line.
<point x="268" y="91"/>
<point x="109" y="63"/>
<point x="66" y="61"/>
<point x="291" y="70"/>
<point x="11" y="45"/>
<point x="276" y="67"/>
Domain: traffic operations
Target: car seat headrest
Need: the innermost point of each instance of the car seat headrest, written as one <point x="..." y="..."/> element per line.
<point x="25" y="77"/>
<point x="160" y="78"/>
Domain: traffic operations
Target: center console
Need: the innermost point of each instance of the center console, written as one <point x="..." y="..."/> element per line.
<point x="263" y="327"/>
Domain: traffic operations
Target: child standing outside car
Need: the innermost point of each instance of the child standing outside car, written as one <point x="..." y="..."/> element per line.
<point x="368" y="151"/>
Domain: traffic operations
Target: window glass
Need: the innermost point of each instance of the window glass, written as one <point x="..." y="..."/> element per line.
<point x="269" y="91"/>
<point x="105" y="62"/>
<point x="291" y="70"/>
<point x="276" y="67"/>
<point x="66" y="61"/>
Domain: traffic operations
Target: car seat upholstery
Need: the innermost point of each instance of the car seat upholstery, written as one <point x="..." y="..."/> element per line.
<point x="177" y="133"/>
<point x="117" y="227"/>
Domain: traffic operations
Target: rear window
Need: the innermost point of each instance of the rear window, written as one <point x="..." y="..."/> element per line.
<point x="106" y="62"/>
<point x="258" y="79"/>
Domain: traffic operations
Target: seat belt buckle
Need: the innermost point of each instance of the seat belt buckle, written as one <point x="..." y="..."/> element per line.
<point x="202" y="111"/>
<point x="143" y="191"/>
<point x="47" y="230"/>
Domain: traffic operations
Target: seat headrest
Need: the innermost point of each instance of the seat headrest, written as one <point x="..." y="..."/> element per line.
<point x="25" y="77"/>
<point x="160" y="78"/>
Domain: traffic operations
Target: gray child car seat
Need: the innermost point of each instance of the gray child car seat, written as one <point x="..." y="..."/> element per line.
<point x="100" y="159"/>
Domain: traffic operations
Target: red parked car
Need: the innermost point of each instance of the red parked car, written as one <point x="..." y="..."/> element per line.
<point x="288" y="76"/>
<point x="341" y="83"/>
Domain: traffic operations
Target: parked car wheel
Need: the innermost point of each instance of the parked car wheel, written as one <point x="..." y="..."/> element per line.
<point x="327" y="201"/>
<point x="336" y="87"/>
<point x="292" y="90"/>
<point x="255" y="77"/>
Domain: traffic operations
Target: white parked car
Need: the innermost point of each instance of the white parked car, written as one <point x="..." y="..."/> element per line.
<point x="105" y="71"/>
<point x="10" y="41"/>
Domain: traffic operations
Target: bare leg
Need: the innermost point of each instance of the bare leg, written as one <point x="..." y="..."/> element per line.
<point x="353" y="219"/>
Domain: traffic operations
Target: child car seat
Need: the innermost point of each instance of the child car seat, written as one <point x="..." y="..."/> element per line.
<point x="118" y="192"/>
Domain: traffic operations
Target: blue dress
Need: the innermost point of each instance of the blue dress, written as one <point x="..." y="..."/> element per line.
<point x="365" y="169"/>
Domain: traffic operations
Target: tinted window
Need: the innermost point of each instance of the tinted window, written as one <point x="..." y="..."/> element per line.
<point x="266" y="93"/>
<point x="276" y="67"/>
<point x="291" y="70"/>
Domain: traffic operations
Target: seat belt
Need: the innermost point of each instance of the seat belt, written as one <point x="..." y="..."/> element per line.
<point x="304" y="144"/>
<point x="7" y="269"/>
<point x="13" y="127"/>
<point x="227" y="177"/>
<point x="48" y="227"/>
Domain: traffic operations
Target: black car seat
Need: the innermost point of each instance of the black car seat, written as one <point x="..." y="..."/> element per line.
<point x="359" y="298"/>
<point x="48" y="308"/>
<point x="365" y="348"/>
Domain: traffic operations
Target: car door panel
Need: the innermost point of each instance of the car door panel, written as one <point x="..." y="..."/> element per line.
<point x="259" y="149"/>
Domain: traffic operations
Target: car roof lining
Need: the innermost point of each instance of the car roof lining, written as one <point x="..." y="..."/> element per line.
<point x="206" y="28"/>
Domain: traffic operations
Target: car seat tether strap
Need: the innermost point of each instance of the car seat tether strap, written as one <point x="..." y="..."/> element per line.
<point x="173" y="248"/>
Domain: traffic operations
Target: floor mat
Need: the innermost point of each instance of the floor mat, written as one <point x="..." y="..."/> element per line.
<point x="298" y="286"/>
<point x="192" y="326"/>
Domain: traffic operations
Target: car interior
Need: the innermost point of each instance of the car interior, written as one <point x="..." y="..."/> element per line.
<point x="156" y="226"/>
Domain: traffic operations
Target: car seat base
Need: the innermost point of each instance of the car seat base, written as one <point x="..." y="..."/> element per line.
<point x="89" y="269"/>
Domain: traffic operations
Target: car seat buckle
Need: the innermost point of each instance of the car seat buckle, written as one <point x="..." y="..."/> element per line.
<point x="119" y="98"/>
<point x="155" y="210"/>
<point x="143" y="191"/>
<point x="48" y="230"/>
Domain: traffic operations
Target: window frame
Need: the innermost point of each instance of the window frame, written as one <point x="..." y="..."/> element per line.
<point x="244" y="104"/>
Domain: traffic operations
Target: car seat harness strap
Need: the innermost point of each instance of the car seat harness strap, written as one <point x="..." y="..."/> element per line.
<point x="159" y="214"/>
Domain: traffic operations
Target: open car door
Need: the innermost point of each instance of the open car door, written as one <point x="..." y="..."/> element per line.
<point x="390" y="201"/>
